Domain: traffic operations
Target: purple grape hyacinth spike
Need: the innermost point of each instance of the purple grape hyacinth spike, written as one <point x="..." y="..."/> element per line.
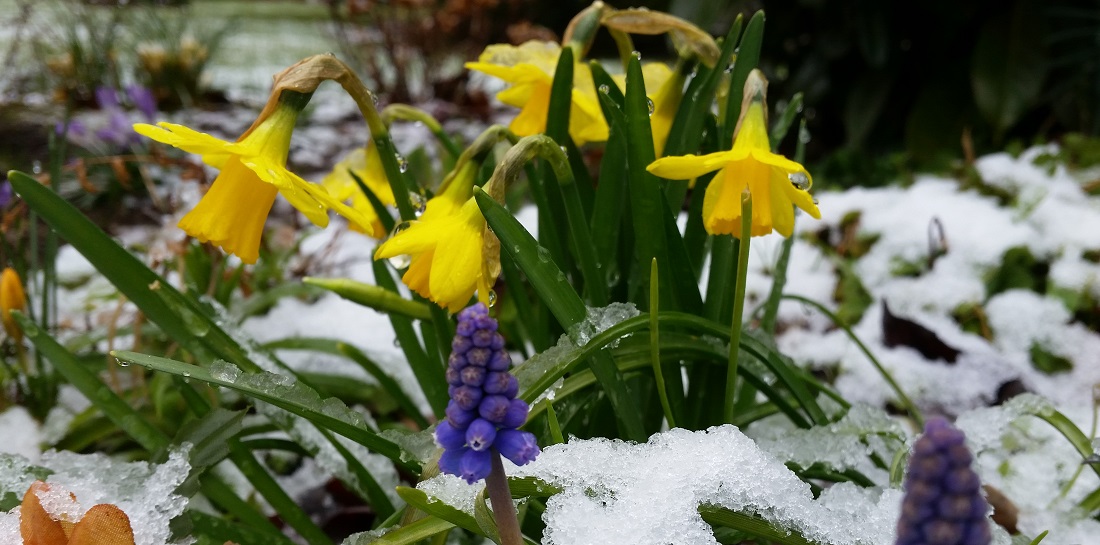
<point x="943" y="502"/>
<point x="483" y="414"/>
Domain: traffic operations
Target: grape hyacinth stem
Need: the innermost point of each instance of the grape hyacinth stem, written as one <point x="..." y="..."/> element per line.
<point x="500" y="496"/>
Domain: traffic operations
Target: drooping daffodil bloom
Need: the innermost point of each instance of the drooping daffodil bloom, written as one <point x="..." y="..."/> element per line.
<point x="773" y="181"/>
<point x="367" y="165"/>
<point x="253" y="170"/>
<point x="447" y="247"/>
<point x="102" y="524"/>
<point x="529" y="70"/>
<point x="12" y="297"/>
<point x="664" y="88"/>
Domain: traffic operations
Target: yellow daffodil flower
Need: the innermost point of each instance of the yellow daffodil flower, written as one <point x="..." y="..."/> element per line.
<point x="367" y="165"/>
<point x="253" y="170"/>
<point x="447" y="247"/>
<point x="12" y="298"/>
<point x="529" y="68"/>
<point x="103" y="524"/>
<point x="664" y="88"/>
<point x="774" y="181"/>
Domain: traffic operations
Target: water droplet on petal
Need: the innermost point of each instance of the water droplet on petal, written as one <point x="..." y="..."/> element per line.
<point x="799" y="180"/>
<point x="492" y="298"/>
<point x="605" y="89"/>
<point x="649" y="103"/>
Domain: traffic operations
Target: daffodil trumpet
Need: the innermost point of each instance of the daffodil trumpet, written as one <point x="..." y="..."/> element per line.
<point x="447" y="246"/>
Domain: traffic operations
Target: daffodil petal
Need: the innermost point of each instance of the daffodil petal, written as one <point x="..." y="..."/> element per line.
<point x="458" y="260"/>
<point x="801" y="199"/>
<point x="781" y="210"/>
<point x="420" y="236"/>
<point x="418" y="276"/>
<point x="532" y="118"/>
<point x="722" y="204"/>
<point x="689" y="166"/>
<point x="184" y="138"/>
<point x="232" y="213"/>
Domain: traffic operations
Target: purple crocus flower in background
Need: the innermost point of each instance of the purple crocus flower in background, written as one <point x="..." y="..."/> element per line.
<point x="107" y="98"/>
<point x="483" y="413"/>
<point x="142" y="98"/>
<point x="943" y="502"/>
<point x="118" y="131"/>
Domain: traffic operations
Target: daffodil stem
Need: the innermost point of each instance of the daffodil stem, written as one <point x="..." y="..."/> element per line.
<point x="623" y="44"/>
<point x="547" y="149"/>
<point x="500" y="496"/>
<point x="364" y="99"/>
<point x="738" y="306"/>
<point x="409" y="113"/>
<point x="655" y="344"/>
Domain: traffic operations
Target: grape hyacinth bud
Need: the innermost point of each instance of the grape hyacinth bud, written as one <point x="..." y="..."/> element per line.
<point x="943" y="502"/>
<point x="483" y="413"/>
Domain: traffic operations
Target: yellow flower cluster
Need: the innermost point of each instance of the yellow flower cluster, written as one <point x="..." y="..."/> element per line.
<point x="447" y="243"/>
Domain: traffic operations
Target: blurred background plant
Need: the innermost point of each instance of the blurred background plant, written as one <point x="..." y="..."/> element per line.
<point x="413" y="50"/>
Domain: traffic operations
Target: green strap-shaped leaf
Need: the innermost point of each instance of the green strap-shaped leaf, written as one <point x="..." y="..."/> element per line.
<point x="413" y="532"/>
<point x="550" y="284"/>
<point x="219" y="529"/>
<point x="287" y="401"/>
<point x="420" y="500"/>
<point x="610" y="195"/>
<point x="688" y="127"/>
<point x="106" y="400"/>
<point x="424" y="366"/>
<point x="136" y="281"/>
<point x="748" y="56"/>
<point x="753" y="526"/>
<point x="372" y="296"/>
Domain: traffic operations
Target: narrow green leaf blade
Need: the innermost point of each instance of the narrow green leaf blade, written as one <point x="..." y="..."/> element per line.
<point x="253" y="386"/>
<point x="372" y="296"/>
<point x="106" y="400"/>
<point x="553" y="289"/>
<point x="420" y="500"/>
<point x="748" y="56"/>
